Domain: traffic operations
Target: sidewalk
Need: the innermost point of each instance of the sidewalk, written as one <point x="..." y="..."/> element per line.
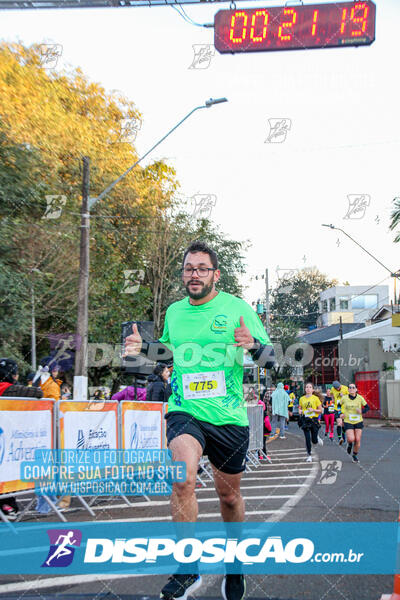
<point x="392" y="423"/>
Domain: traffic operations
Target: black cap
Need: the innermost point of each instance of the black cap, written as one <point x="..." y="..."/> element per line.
<point x="8" y="368"/>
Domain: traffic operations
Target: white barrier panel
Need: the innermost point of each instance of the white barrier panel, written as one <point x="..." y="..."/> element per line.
<point x="256" y="426"/>
<point x="25" y="425"/>
<point x="142" y="425"/>
<point x="87" y="425"/>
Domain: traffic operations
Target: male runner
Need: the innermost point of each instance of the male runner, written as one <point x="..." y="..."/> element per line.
<point x="207" y="332"/>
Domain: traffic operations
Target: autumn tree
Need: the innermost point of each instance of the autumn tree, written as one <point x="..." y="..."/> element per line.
<point x="296" y="297"/>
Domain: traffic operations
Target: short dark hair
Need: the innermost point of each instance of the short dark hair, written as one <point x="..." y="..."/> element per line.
<point x="202" y="247"/>
<point x="159" y="368"/>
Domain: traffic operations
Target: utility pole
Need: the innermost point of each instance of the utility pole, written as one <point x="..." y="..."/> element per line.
<point x="81" y="374"/>
<point x="267" y="324"/>
<point x="267" y="320"/>
<point x="33" y="331"/>
<point x="340" y="328"/>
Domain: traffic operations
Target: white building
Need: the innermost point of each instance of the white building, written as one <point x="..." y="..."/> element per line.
<point x="353" y="303"/>
<point x="388" y="335"/>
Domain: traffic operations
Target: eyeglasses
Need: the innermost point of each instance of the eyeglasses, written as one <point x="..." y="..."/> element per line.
<point x="201" y="271"/>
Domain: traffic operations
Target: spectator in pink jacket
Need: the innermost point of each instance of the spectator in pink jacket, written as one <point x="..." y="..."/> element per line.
<point x="135" y="392"/>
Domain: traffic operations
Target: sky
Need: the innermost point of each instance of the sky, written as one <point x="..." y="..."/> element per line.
<point x="344" y="136"/>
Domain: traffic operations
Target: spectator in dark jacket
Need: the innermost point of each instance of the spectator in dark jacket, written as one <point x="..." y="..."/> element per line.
<point x="157" y="388"/>
<point x="9" y="387"/>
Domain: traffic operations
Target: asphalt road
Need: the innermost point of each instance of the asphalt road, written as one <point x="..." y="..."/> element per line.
<point x="331" y="489"/>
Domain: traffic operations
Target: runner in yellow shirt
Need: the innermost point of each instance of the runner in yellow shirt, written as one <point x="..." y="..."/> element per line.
<point x="352" y="409"/>
<point x="338" y="391"/>
<point x="290" y="405"/>
<point x="309" y="408"/>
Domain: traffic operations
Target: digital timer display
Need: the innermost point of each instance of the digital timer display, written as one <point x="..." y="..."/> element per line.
<point x="295" y="27"/>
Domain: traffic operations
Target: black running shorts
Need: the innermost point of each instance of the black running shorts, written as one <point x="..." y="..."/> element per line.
<point x="355" y="426"/>
<point x="225" y="445"/>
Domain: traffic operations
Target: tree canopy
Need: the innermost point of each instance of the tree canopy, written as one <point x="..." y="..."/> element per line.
<point x="49" y="122"/>
<point x="296" y="297"/>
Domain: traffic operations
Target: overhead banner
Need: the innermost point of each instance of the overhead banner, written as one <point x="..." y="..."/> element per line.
<point x="88" y="426"/>
<point x="143" y="425"/>
<point x="25" y="425"/>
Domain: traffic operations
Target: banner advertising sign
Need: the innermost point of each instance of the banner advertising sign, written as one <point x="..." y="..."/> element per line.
<point x="213" y="548"/>
<point x="142" y="425"/>
<point x="86" y="425"/>
<point x="25" y="425"/>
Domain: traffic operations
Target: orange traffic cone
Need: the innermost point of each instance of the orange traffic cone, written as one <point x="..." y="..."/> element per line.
<point x="396" y="591"/>
<point x="396" y="587"/>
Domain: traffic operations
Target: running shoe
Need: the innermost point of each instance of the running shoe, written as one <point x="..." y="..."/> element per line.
<point x="233" y="587"/>
<point x="179" y="586"/>
<point x="326" y="433"/>
<point x="341" y="441"/>
<point x="355" y="458"/>
<point x="260" y="457"/>
<point x="309" y="458"/>
<point x="9" y="512"/>
<point x="349" y="448"/>
<point x="282" y="437"/>
<point x="320" y="441"/>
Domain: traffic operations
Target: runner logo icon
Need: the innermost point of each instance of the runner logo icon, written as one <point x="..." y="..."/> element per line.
<point x="62" y="547"/>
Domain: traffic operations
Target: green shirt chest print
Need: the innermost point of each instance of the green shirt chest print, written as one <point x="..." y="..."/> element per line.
<point x="207" y="380"/>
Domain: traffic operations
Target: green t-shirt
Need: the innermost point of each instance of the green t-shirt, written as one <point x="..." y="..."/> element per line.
<point x="207" y="380"/>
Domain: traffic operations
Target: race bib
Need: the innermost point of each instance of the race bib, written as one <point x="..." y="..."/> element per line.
<point x="354" y="418"/>
<point x="203" y="385"/>
<point x="309" y="412"/>
<point x="331" y="409"/>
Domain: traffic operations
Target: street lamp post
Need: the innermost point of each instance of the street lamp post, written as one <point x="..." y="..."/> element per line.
<point x="81" y="355"/>
<point x="392" y="274"/>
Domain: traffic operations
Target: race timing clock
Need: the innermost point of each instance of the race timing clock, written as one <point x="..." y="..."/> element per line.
<point x="295" y="27"/>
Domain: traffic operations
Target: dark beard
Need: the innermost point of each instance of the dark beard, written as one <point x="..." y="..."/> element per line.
<point x="202" y="293"/>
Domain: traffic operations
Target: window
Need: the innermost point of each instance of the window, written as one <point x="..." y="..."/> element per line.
<point x="332" y="304"/>
<point x="324" y="305"/>
<point x="344" y="302"/>
<point x="364" y="302"/>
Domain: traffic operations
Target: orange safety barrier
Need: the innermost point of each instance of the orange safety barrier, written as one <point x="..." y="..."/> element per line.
<point x="396" y="586"/>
